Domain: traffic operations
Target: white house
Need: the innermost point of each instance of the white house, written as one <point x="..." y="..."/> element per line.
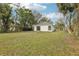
<point x="43" y="27"/>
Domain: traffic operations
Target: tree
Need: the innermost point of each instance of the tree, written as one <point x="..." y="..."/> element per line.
<point x="37" y="16"/>
<point x="5" y="14"/>
<point x="44" y="19"/>
<point x="67" y="9"/>
<point x="74" y="16"/>
<point x="26" y="18"/>
<point x="76" y="20"/>
<point x="60" y="25"/>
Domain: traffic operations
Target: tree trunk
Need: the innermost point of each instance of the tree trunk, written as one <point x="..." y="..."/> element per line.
<point x="5" y="25"/>
<point x="69" y="30"/>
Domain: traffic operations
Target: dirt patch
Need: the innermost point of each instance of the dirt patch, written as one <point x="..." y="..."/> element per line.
<point x="73" y="43"/>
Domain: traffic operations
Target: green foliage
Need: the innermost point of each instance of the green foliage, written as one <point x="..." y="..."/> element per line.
<point x="60" y="25"/>
<point x="5" y="14"/>
<point x="26" y="18"/>
<point x="45" y="19"/>
<point x="70" y="8"/>
<point x="67" y="9"/>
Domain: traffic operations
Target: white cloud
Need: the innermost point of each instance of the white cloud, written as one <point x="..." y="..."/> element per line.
<point x="13" y="5"/>
<point x="56" y="15"/>
<point x="26" y="5"/>
<point x="37" y="7"/>
<point x="32" y="6"/>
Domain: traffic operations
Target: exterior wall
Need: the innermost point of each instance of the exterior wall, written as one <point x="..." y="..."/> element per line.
<point x="35" y="29"/>
<point x="44" y="28"/>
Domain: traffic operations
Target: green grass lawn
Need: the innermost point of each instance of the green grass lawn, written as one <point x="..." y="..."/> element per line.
<point x="34" y="43"/>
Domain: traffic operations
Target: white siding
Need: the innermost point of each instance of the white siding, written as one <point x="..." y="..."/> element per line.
<point x="35" y="28"/>
<point x="44" y="28"/>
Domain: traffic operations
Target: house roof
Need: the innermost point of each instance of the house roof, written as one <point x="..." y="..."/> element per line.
<point x="42" y="23"/>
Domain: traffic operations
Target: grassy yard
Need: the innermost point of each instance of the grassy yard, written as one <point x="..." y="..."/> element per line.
<point x="34" y="43"/>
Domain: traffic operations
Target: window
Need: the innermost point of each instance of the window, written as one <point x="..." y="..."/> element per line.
<point x="38" y="28"/>
<point x="49" y="27"/>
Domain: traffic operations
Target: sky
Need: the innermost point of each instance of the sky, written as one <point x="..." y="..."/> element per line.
<point x="49" y="10"/>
